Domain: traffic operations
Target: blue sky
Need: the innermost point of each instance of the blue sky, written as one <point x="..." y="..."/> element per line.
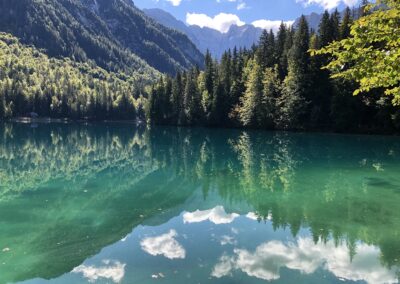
<point x="202" y="12"/>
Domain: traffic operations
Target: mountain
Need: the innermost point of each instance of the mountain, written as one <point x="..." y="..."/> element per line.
<point x="314" y="19"/>
<point x="206" y="38"/>
<point x="217" y="42"/>
<point x="115" y="34"/>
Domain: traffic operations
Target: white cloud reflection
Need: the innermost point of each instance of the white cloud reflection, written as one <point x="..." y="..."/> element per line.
<point x="112" y="270"/>
<point x="306" y="256"/>
<point x="216" y="215"/>
<point x="165" y="245"/>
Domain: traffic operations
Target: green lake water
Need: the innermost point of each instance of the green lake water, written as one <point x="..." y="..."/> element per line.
<point x="113" y="203"/>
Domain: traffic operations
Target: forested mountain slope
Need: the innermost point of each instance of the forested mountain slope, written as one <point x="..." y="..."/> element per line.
<point x="30" y="81"/>
<point x="113" y="33"/>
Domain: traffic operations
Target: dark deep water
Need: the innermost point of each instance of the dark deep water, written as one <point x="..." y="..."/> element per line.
<point x="111" y="203"/>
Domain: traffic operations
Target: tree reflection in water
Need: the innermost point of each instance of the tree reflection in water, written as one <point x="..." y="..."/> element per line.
<point x="67" y="191"/>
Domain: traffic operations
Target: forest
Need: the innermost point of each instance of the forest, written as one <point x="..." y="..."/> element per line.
<point x="342" y="77"/>
<point x="281" y="83"/>
<point x="114" y="34"/>
<point x="30" y="81"/>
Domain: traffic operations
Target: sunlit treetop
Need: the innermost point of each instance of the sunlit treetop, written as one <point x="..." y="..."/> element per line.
<point x="371" y="55"/>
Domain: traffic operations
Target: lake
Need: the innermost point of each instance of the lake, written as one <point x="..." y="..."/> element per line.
<point x="113" y="203"/>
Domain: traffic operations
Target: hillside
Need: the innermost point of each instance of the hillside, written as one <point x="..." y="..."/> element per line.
<point x="30" y="81"/>
<point x="113" y="33"/>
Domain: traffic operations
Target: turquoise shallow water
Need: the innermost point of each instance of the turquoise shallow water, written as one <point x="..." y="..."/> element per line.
<point x="112" y="203"/>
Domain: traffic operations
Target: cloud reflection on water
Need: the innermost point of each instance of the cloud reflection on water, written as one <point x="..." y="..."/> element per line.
<point x="165" y="245"/>
<point x="306" y="256"/>
<point x="112" y="270"/>
<point x="215" y="215"/>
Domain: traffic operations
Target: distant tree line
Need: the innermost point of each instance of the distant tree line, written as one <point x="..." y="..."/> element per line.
<point x="30" y="81"/>
<point x="276" y="84"/>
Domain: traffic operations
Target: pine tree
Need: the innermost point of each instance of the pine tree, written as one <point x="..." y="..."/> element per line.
<point x="325" y="30"/>
<point x="209" y="73"/>
<point x="251" y="102"/>
<point x="152" y="107"/>
<point x="224" y="102"/>
<point x="266" y="49"/>
<point x="177" y="100"/>
<point x="189" y="100"/>
<point x="237" y="88"/>
<point x="320" y="93"/>
<point x="168" y="113"/>
<point x="335" y="24"/>
<point x="344" y="31"/>
<point x="271" y="93"/>
<point x="293" y="102"/>
<point x="280" y="50"/>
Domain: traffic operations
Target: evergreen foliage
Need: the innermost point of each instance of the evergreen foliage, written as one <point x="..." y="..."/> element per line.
<point x="279" y="85"/>
<point x="30" y="81"/>
<point x="276" y="84"/>
<point x="114" y="34"/>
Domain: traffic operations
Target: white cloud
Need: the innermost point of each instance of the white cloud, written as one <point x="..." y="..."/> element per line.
<point x="305" y="256"/>
<point x="224" y="267"/>
<point x="216" y="215"/>
<point x="329" y="4"/>
<point x="175" y="2"/>
<point x="221" y="22"/>
<point x="268" y="24"/>
<point x="165" y="245"/>
<point x="113" y="270"/>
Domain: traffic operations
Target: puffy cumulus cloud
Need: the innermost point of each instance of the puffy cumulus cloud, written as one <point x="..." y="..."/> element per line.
<point x="221" y="22"/>
<point x="268" y="24"/>
<point x="329" y="4"/>
<point x="165" y="245"/>
<point x="268" y="258"/>
<point x="216" y="215"/>
<point x="112" y="270"/>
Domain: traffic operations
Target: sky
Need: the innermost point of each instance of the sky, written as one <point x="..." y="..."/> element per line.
<point x="221" y="14"/>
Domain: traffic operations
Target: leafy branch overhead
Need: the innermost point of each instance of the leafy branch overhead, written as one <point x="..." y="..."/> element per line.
<point x="371" y="55"/>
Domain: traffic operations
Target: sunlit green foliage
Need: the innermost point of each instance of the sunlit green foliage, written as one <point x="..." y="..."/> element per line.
<point x="30" y="81"/>
<point x="370" y="55"/>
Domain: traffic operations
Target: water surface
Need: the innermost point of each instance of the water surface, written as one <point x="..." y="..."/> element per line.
<point x="111" y="203"/>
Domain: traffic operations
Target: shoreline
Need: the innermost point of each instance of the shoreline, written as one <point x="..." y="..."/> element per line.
<point x="29" y="120"/>
<point x="47" y="120"/>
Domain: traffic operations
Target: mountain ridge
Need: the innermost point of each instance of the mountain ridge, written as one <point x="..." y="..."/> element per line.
<point x="114" y="34"/>
<point x="206" y="38"/>
<point x="217" y="42"/>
